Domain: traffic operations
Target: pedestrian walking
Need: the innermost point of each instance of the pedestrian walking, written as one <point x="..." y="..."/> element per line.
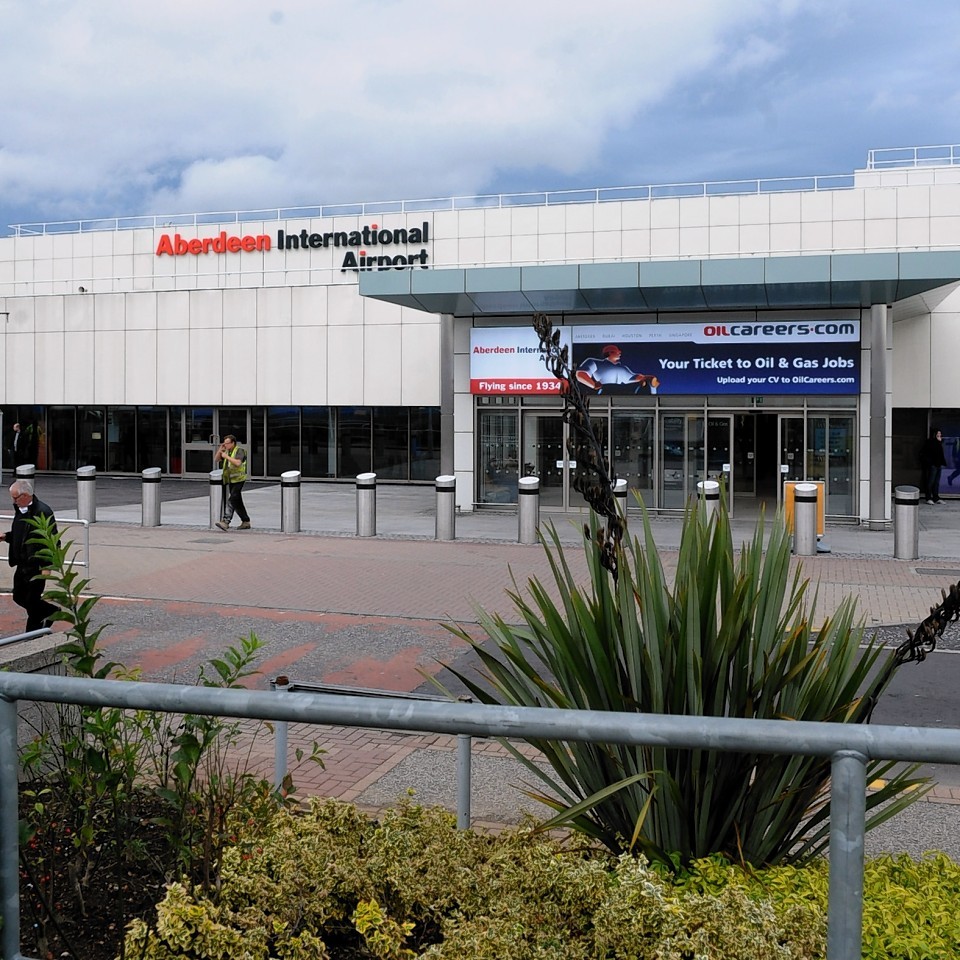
<point x="932" y="462"/>
<point x="23" y="556"/>
<point x="234" y="460"/>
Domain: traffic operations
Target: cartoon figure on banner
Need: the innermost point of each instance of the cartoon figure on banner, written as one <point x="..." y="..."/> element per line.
<point x="598" y="372"/>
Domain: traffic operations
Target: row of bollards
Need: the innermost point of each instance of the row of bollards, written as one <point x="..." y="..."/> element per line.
<point x="906" y="502"/>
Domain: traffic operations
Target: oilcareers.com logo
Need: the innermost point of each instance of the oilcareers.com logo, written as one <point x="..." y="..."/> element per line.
<point x="793" y="330"/>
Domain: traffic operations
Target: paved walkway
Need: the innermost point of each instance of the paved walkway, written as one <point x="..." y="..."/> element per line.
<point x="335" y="608"/>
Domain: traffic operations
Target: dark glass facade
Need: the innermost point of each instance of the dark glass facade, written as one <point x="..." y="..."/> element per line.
<point x="397" y="443"/>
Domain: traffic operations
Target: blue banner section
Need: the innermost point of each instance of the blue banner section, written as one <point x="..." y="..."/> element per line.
<point x="684" y="367"/>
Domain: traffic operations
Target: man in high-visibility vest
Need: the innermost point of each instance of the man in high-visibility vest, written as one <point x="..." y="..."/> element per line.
<point x="234" y="460"/>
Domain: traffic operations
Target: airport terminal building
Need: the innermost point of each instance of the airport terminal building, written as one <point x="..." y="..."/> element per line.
<point x="755" y="331"/>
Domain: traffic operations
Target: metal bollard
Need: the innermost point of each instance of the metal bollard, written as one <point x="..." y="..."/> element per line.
<point x="26" y="471"/>
<point x="708" y="493"/>
<point x="216" y="496"/>
<point x="620" y="497"/>
<point x="446" y="508"/>
<point x="805" y="519"/>
<point x="366" y="505"/>
<point x="529" y="508"/>
<point x="290" y="501"/>
<point x="87" y="494"/>
<point x="906" y="523"/>
<point x="150" y="511"/>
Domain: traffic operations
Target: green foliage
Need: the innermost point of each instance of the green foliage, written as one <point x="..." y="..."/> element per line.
<point x="92" y="771"/>
<point x="411" y="886"/>
<point x="909" y="906"/>
<point x="735" y="636"/>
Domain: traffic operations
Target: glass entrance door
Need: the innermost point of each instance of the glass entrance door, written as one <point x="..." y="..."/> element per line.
<point x="822" y="448"/>
<point x="545" y="456"/>
<point x="202" y="429"/>
<point x="694" y="448"/>
<point x="830" y="457"/>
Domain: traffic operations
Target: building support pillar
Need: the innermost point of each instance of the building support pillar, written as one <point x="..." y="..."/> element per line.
<point x="879" y="507"/>
<point x="446" y="394"/>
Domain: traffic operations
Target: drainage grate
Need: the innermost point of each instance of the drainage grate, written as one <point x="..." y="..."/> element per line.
<point x="209" y="540"/>
<point x="938" y="572"/>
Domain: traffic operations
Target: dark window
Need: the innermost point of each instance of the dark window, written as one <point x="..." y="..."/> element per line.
<point x="257" y="453"/>
<point x="353" y="441"/>
<point x="317" y="454"/>
<point x="122" y="439"/>
<point x="92" y="437"/>
<point x="283" y="439"/>
<point x="152" y="438"/>
<point x="425" y="443"/>
<point x="391" y="443"/>
<point x="61" y="438"/>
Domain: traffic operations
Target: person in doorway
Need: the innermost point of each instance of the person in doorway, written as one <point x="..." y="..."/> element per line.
<point x="597" y="372"/>
<point x="234" y="461"/>
<point x="21" y="444"/>
<point x="932" y="462"/>
<point x="23" y="555"/>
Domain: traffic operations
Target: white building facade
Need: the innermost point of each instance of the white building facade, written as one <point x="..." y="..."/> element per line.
<point x="771" y="330"/>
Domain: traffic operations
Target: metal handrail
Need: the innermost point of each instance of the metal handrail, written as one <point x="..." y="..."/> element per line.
<point x="29" y="635"/>
<point x="849" y="746"/>
<point x="67" y="522"/>
<point x="892" y="158"/>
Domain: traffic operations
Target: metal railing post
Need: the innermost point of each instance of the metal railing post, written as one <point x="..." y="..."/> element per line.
<point x="464" y="747"/>
<point x="9" y="831"/>
<point x="281" y="685"/>
<point x="87" y="493"/>
<point x="290" y="501"/>
<point x="848" y="801"/>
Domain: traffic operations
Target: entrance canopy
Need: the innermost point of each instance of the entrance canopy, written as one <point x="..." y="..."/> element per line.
<point x="744" y="283"/>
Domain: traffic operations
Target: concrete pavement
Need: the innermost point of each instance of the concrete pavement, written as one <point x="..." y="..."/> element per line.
<point x="334" y="608"/>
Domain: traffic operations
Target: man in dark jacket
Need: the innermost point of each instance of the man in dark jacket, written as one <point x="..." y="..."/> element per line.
<point x="932" y="462"/>
<point x="23" y="556"/>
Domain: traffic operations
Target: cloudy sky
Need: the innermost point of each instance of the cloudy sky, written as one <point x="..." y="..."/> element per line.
<point x="118" y="107"/>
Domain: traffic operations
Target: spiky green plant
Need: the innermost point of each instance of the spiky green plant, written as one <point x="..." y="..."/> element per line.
<point x="735" y="635"/>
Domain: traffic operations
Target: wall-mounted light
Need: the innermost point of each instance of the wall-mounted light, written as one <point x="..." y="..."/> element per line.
<point x="81" y="289"/>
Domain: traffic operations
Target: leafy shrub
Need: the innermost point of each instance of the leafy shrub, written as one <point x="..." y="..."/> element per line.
<point x="412" y="886"/>
<point x="736" y="635"/>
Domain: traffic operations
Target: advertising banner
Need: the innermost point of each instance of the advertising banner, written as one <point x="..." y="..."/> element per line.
<point x="733" y="357"/>
<point x="507" y="360"/>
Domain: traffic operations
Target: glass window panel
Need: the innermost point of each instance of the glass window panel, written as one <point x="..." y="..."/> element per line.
<point x="499" y="467"/>
<point x="424" y="443"/>
<point x="353" y="441"/>
<point x="632" y="453"/>
<point x="92" y="437"/>
<point x="544" y="454"/>
<point x="61" y="438"/>
<point x="317" y="453"/>
<point x="152" y="438"/>
<point x="122" y="439"/>
<point x="257" y="451"/>
<point x="283" y="439"/>
<point x="176" y="440"/>
<point x="391" y="443"/>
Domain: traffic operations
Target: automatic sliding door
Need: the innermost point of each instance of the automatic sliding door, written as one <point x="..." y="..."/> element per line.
<point x="632" y="453"/>
<point x="544" y="455"/>
<point x="681" y="458"/>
